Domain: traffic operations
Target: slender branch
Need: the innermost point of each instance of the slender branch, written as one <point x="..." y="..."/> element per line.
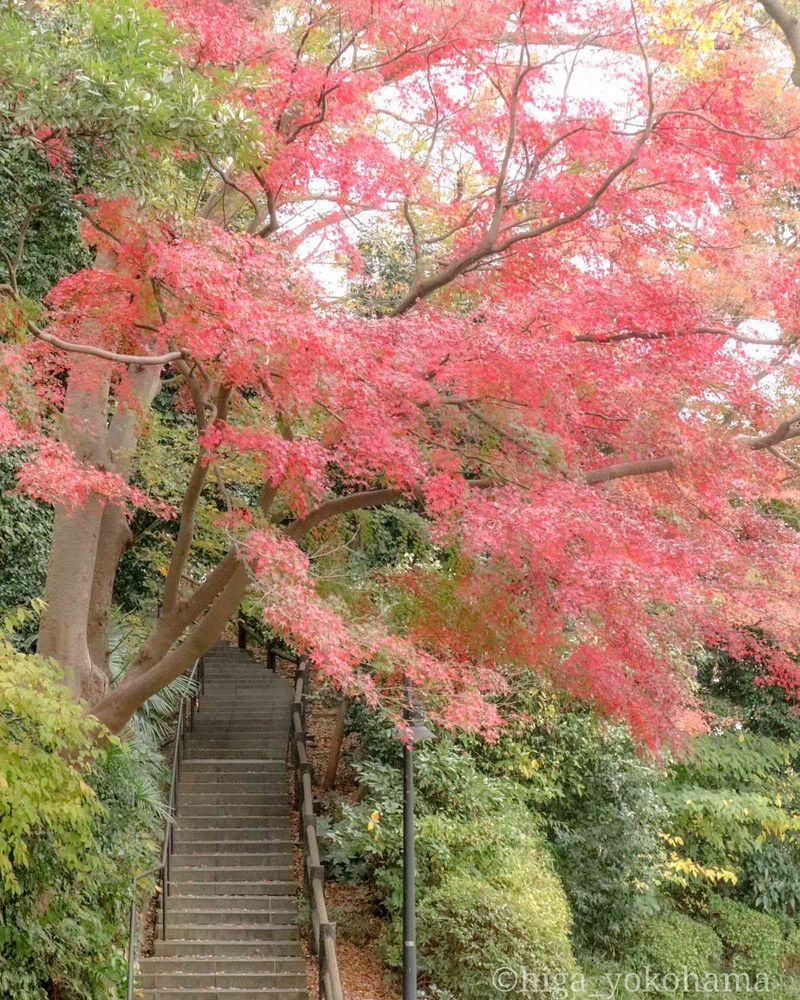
<point x="92" y="349"/>
<point x="713" y="331"/>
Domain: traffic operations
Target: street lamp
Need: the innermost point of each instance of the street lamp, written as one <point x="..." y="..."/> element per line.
<point x="419" y="732"/>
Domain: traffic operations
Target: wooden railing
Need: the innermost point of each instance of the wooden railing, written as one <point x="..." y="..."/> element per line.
<point x="322" y="931"/>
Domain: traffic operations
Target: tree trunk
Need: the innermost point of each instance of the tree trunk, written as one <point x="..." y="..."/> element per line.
<point x="115" y="535"/>
<point x="70" y="570"/>
<point x="335" y="749"/>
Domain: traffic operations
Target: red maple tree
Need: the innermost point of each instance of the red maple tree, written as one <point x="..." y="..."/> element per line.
<point x="598" y="204"/>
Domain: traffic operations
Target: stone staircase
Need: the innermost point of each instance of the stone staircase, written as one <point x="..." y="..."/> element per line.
<point x="232" y="921"/>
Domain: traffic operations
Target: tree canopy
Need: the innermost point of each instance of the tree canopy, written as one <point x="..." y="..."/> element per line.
<point x="526" y="268"/>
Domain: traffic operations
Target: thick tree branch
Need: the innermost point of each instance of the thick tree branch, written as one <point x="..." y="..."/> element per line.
<point x="359" y="501"/>
<point x="622" y="470"/>
<point x="100" y="352"/>
<point x="191" y="499"/>
<point x="790" y="26"/>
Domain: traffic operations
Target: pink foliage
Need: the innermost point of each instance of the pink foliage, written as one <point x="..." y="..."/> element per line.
<point x="583" y="262"/>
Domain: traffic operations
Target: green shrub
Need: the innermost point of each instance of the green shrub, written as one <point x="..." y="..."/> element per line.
<point x="470" y="926"/>
<point x="487" y="891"/>
<point x="791" y="956"/>
<point x="671" y="941"/>
<point x="595" y="794"/>
<point x="25" y="534"/>
<point x="771" y="878"/>
<point x="753" y="941"/>
<point x="76" y="823"/>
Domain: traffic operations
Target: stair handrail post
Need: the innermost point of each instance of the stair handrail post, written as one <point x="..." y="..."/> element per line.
<point x="132" y="940"/>
<point x="164" y="878"/>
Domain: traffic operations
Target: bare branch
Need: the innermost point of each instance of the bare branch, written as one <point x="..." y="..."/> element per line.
<point x="713" y="331"/>
<point x="100" y="352"/>
<point x="622" y="470"/>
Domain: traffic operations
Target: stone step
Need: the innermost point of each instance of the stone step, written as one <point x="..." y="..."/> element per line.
<point x="223" y="770"/>
<point x="246" y="885"/>
<point x="224" y="966"/>
<point x="246" y="721"/>
<point x="222" y="809"/>
<point x="240" y="693"/>
<point x="220" y="669"/>
<point x="270" y="753"/>
<point x="234" y="918"/>
<point x="245" y="715"/>
<point x="183" y="869"/>
<point x="234" y="762"/>
<point x="243" y="696"/>
<point x="233" y="797"/>
<point x="257" y="904"/>
<point x="224" y="687"/>
<point x="274" y="771"/>
<point x="277" y="868"/>
<point x="227" y="949"/>
<point x="272" y="836"/>
<point x="232" y="661"/>
<point x="225" y="803"/>
<point x="242" y="793"/>
<point x="275" y="848"/>
<point x="224" y="734"/>
<point x="259" y="874"/>
<point x="238" y="724"/>
<point x="228" y="725"/>
<point x="272" y="784"/>
<point x="210" y="744"/>
<point x="221" y="981"/>
<point x="235" y="932"/>
<point x="264" y="824"/>
<point x="223" y="681"/>
<point x="273" y="993"/>
<point x="226" y="649"/>
<point x="224" y="670"/>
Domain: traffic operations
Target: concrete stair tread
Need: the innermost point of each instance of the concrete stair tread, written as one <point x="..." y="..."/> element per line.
<point x="230" y="887"/>
<point x="224" y="760"/>
<point x="241" y="925"/>
<point x="200" y="964"/>
<point x="277" y="993"/>
<point x="261" y="860"/>
<point x="226" y="980"/>
<point x="234" y="993"/>
<point x="288" y="948"/>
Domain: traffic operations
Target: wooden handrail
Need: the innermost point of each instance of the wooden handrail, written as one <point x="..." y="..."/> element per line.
<point x="322" y="934"/>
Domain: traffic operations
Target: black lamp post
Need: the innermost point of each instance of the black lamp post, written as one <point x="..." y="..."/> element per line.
<point x="418" y="733"/>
